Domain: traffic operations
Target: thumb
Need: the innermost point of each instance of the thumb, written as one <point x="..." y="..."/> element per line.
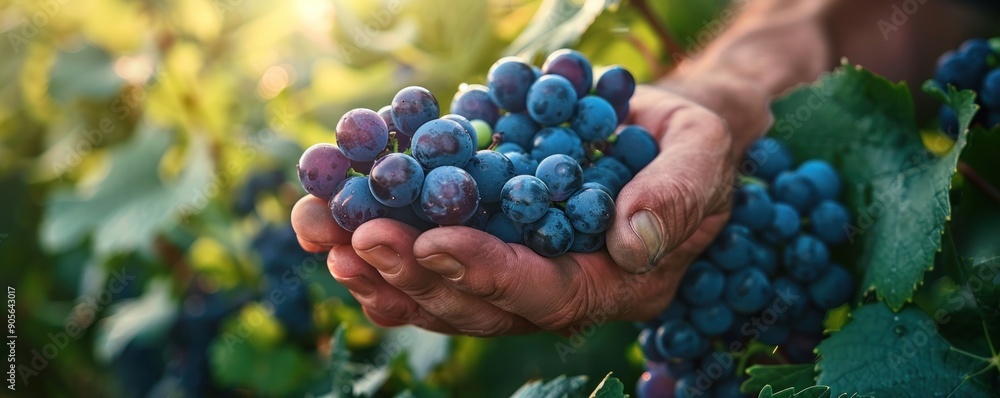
<point x="664" y="205"/>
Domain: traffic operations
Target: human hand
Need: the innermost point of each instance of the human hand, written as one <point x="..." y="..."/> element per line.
<point x="461" y="280"/>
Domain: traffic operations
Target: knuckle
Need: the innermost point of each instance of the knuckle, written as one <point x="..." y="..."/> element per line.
<point x="576" y="303"/>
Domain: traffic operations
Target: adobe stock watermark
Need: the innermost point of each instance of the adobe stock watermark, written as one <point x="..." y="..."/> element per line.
<point x="32" y="24"/>
<point x="82" y="316"/>
<point x="899" y="15"/>
<point x="710" y="30"/>
<point x="790" y="122"/>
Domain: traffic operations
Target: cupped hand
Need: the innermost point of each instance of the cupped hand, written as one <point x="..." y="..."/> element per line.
<point x="461" y="280"/>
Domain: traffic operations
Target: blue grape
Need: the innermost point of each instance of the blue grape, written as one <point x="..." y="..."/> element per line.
<point x="703" y="283"/>
<point x="594" y="185"/>
<point x="396" y="180"/>
<point x="509" y="147"/>
<point x="634" y="147"/>
<point x="774" y="334"/>
<point x="822" y="176"/>
<point x="785" y="225"/>
<point x="556" y="141"/>
<point x="591" y="211"/>
<point x="614" y="165"/>
<point x="442" y="142"/>
<point x="466" y="124"/>
<point x="418" y="209"/>
<point x="795" y="190"/>
<point x="828" y="220"/>
<point x="687" y="387"/>
<point x="960" y="69"/>
<point x="764" y="258"/>
<point x="321" y="169"/>
<point x="948" y="120"/>
<point x="473" y="101"/>
<point x="479" y="218"/>
<point x="562" y="175"/>
<point x="766" y="158"/>
<point x="732" y="250"/>
<point x="810" y="321"/>
<point x="449" y="195"/>
<point x="712" y="319"/>
<point x="806" y="258"/>
<point x="353" y="204"/>
<point x="587" y="243"/>
<point x="491" y="171"/>
<point x="517" y="128"/>
<point x="621" y="111"/>
<point x="524" y="199"/>
<point x="752" y="207"/>
<point x="678" y="339"/>
<point x="833" y="289"/>
<point x="408" y="215"/>
<point x="794" y="296"/>
<point x="616" y="84"/>
<point x="799" y="348"/>
<point x="603" y="177"/>
<point x="574" y="67"/>
<point x="385" y="113"/>
<point x="655" y="383"/>
<point x="551" y="235"/>
<point x="594" y="119"/>
<point x="990" y="92"/>
<point x="748" y="291"/>
<point x="362" y="134"/>
<point x="508" y="81"/>
<point x="647" y="344"/>
<point x="502" y="227"/>
<point x="523" y="163"/>
<point x="551" y="100"/>
<point x="412" y="107"/>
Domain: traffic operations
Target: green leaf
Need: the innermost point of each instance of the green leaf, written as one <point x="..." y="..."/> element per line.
<point x="557" y="24"/>
<point x="559" y="387"/>
<point x="865" y="126"/>
<point x="425" y="350"/>
<point x="87" y="72"/>
<point x="901" y="354"/>
<point x="610" y="387"/>
<point x="780" y="377"/>
<point x="340" y="357"/>
<point x="131" y="204"/>
<point x="276" y="372"/>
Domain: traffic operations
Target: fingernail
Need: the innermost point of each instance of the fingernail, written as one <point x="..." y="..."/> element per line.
<point x="361" y="286"/>
<point x="647" y="227"/>
<point x="443" y="264"/>
<point x="382" y="258"/>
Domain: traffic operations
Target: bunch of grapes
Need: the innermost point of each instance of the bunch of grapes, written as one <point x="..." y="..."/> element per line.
<point x="546" y="178"/>
<point x="767" y="277"/>
<point x="974" y="66"/>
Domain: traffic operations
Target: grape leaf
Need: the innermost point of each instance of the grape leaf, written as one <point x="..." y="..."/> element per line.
<point x="558" y="387"/>
<point x="779" y="377"/>
<point x="900" y="354"/>
<point x="131" y="203"/>
<point x="610" y="387"/>
<point x="556" y="24"/>
<point x="898" y="190"/>
<point x="425" y="350"/>
<point x="339" y="362"/>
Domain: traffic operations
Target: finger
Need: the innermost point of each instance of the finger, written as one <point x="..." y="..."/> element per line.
<point x="666" y="202"/>
<point x="313" y="223"/>
<point x="554" y="294"/>
<point x="385" y="305"/>
<point x="311" y="247"/>
<point x="388" y="246"/>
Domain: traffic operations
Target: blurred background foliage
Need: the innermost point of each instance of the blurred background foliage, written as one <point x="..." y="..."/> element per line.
<point x="146" y="176"/>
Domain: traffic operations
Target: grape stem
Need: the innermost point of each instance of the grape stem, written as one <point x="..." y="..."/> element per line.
<point x="669" y="44"/>
<point x="497" y="138"/>
<point x="972" y="176"/>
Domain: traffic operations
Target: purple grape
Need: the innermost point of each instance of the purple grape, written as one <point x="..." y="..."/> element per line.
<point x="551" y="235"/>
<point x="449" y="195"/>
<point x="517" y="128"/>
<point x="508" y="81"/>
<point x="573" y="66"/>
<point x="412" y="107"/>
<point x="321" y="168"/>
<point x="409" y="216"/>
<point x="362" y="134"/>
<point x="551" y="100"/>
<point x="594" y="119"/>
<point x="655" y="383"/>
<point x="587" y="243"/>
<point x="524" y="199"/>
<point x="491" y="171"/>
<point x="615" y="166"/>
<point x="386" y="113"/>
<point x="591" y="211"/>
<point x="616" y="85"/>
<point x="479" y="218"/>
<point x="396" y="180"/>
<point x="354" y="204"/>
<point x="502" y="227"/>
<point x="556" y="140"/>
<point x="442" y="142"/>
<point x="605" y="178"/>
<point x="402" y="140"/>
<point x="634" y="147"/>
<point x="363" y="167"/>
<point x="473" y="101"/>
<point x="461" y="120"/>
<point x="509" y="147"/>
<point x="523" y="163"/>
<point x="621" y="111"/>
<point x="562" y="175"/>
